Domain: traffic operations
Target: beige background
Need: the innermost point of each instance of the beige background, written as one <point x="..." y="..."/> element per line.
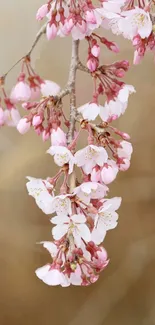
<point x="125" y="293"/>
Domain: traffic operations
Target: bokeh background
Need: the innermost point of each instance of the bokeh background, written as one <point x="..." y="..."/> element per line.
<point x="125" y="293"/>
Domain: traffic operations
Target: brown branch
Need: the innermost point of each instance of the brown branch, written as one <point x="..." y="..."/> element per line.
<point x="71" y="85"/>
<point x="38" y="36"/>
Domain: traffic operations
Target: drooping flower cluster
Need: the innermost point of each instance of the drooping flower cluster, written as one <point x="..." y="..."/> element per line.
<point x="81" y="213"/>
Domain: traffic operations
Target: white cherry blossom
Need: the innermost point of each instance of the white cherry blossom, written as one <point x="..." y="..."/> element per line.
<point x="90" y="190"/>
<point x="106" y="219"/>
<point x="52" y="277"/>
<point x="135" y="21"/>
<point x="90" y="111"/>
<point x="118" y="106"/>
<point x="61" y="204"/>
<point x="38" y="188"/>
<point x="62" y="156"/>
<point x="74" y="225"/>
<point x="89" y="157"/>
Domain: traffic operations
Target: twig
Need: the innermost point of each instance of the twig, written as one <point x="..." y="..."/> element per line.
<point x="38" y="36"/>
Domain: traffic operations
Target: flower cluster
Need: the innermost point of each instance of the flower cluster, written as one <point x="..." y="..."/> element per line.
<point x="81" y="213"/>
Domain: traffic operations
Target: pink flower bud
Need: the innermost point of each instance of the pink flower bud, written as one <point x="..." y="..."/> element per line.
<point x="69" y="24"/>
<point x="109" y="172"/>
<point x="49" y="88"/>
<point x="95" y="51"/>
<point x="58" y="137"/>
<point x="90" y="17"/>
<point x="51" y="31"/>
<point x="21" y="92"/>
<point x="42" y="12"/>
<point x="92" y="64"/>
<point x="2" y="116"/>
<point x="136" y="40"/>
<point x="45" y="135"/>
<point x="137" y="58"/>
<point x="37" y="120"/>
<point x="95" y="175"/>
<point x="23" y="126"/>
<point x="125" y="165"/>
<point x="114" y="47"/>
<point x="35" y="93"/>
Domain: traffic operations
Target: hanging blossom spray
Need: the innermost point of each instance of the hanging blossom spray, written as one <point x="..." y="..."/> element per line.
<point x="82" y="212"/>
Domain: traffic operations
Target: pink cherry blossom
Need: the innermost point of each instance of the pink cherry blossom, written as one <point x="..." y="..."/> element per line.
<point x="58" y="137"/>
<point x="95" y="50"/>
<point x="37" y="120"/>
<point x="49" y="88"/>
<point x="2" y="116"/>
<point x="21" y="92"/>
<point x="23" y="126"/>
<point x="109" y="172"/>
<point x="42" y="12"/>
<point x="51" y="31"/>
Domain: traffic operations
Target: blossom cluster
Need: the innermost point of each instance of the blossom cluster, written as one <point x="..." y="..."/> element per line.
<point x="81" y="213"/>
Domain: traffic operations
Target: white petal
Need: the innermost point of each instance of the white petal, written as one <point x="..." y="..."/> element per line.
<point x="98" y="236"/>
<point x="59" y="231"/>
<point x="51" y="247"/>
<point x="42" y="271"/>
<point x="78" y="218"/>
<point x="60" y="219"/>
<point x="84" y="232"/>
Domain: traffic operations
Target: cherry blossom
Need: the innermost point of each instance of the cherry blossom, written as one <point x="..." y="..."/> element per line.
<point x="62" y="156"/>
<point x="52" y="277"/>
<point x="49" y="88"/>
<point x="89" y="157"/>
<point x="135" y="21"/>
<point x="90" y="190"/>
<point x="90" y="111"/>
<point x="73" y="226"/>
<point x="21" y="92"/>
<point x="11" y="117"/>
<point x="39" y="189"/>
<point x="106" y="219"/>
<point x="58" y="137"/>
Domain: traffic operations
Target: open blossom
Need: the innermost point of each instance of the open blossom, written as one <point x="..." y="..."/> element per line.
<point x="62" y="156"/>
<point x="106" y="219"/>
<point x="39" y="189"/>
<point x="49" y="88"/>
<point x="135" y="21"/>
<point x="52" y="277"/>
<point x="114" y="108"/>
<point x="74" y="225"/>
<point x="61" y="204"/>
<point x="124" y="153"/>
<point x="90" y="111"/>
<point x="113" y="5"/>
<point x="89" y="157"/>
<point x="90" y="190"/>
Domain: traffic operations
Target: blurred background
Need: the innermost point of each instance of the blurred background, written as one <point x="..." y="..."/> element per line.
<point x="125" y="292"/>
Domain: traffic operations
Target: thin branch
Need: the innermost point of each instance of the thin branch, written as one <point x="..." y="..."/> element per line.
<point x="38" y="36"/>
<point x="83" y="68"/>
